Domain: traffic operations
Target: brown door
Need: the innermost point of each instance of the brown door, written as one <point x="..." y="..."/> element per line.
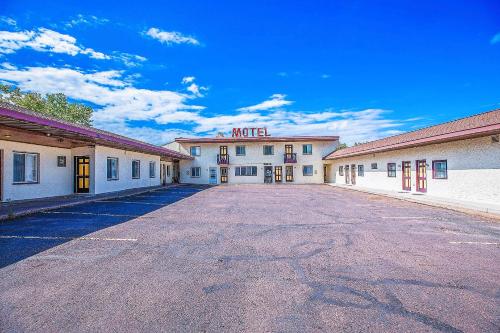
<point x="289" y="173"/>
<point x="82" y="174"/>
<point x="421" y="176"/>
<point x="406" y="176"/>
<point x="223" y="175"/>
<point x="278" y="177"/>
<point x="353" y="174"/>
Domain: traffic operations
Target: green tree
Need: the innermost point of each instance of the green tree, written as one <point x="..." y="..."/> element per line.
<point x="342" y="146"/>
<point x="53" y="105"/>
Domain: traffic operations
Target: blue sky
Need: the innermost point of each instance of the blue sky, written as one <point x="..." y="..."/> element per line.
<point x="358" y="69"/>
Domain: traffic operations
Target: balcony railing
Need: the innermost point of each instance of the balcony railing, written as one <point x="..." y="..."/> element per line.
<point x="222" y="159"/>
<point x="291" y="158"/>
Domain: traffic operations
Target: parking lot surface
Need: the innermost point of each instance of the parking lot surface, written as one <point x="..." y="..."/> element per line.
<point x="254" y="258"/>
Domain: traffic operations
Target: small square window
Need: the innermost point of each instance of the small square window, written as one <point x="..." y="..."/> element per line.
<point x="268" y="150"/>
<point x="26" y="168"/>
<point x="240" y="150"/>
<point x="391" y="169"/>
<point x="195" y="150"/>
<point x="374" y="166"/>
<point x="440" y="169"/>
<point x="195" y="172"/>
<point x="307" y="170"/>
<point x="341" y="170"/>
<point x="307" y="149"/>
<point x="61" y="161"/>
<point x="361" y="170"/>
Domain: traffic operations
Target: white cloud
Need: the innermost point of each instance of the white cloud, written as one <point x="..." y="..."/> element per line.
<point x="275" y="101"/>
<point x="171" y="37"/>
<point x="495" y="39"/>
<point x="130" y="60"/>
<point x="85" y="20"/>
<point x="119" y="105"/>
<point x="45" y="40"/>
<point x="188" y="79"/>
<point x="325" y="76"/>
<point x="8" y="20"/>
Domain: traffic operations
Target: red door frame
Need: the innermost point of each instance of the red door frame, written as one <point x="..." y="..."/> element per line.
<point x="421" y="171"/>
<point x="406" y="177"/>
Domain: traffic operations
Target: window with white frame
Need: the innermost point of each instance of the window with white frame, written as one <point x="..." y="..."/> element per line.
<point x="152" y="169"/>
<point x="341" y="170"/>
<point x="268" y="150"/>
<point x="112" y="168"/>
<point x="136" y="169"/>
<point x="307" y="170"/>
<point x="361" y="170"/>
<point x="391" y="170"/>
<point x="195" y="172"/>
<point x="440" y="169"/>
<point x="374" y="166"/>
<point x="168" y="170"/>
<point x="307" y="149"/>
<point x="26" y="167"/>
<point x="195" y="150"/>
<point x="245" y="171"/>
<point x="240" y="151"/>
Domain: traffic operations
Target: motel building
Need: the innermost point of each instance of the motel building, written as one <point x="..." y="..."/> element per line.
<point x="252" y="155"/>
<point x="458" y="160"/>
<point x="44" y="157"/>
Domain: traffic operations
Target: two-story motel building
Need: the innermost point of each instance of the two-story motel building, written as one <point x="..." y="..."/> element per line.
<point x="251" y="155"/>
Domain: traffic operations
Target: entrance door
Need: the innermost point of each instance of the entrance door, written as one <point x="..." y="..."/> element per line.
<point x="223" y="175"/>
<point x="82" y="174"/>
<point x="406" y="176"/>
<point x="163" y="174"/>
<point x="346" y="174"/>
<point x="278" y="177"/>
<point x="421" y="176"/>
<point x="213" y="175"/>
<point x="176" y="172"/>
<point x="289" y="173"/>
<point x="268" y="174"/>
<point x="353" y="174"/>
<point x="1" y="175"/>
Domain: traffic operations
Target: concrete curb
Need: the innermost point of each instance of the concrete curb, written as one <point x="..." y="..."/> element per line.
<point x="471" y="211"/>
<point x="5" y="217"/>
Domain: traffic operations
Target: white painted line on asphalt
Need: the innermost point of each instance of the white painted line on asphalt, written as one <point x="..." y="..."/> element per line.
<point x="478" y="243"/>
<point x="133" y="202"/>
<point x="71" y="238"/>
<point x="87" y="213"/>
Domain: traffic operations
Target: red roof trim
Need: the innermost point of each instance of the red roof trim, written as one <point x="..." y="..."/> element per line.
<point x="257" y="139"/>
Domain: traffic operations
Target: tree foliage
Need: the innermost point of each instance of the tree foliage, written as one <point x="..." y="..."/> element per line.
<point x="53" y="105"/>
<point x="342" y="146"/>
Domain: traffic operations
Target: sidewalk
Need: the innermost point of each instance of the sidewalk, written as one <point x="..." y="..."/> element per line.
<point x="26" y="207"/>
<point x="488" y="209"/>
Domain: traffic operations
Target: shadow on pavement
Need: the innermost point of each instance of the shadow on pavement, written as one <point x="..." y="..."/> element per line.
<point x="26" y="236"/>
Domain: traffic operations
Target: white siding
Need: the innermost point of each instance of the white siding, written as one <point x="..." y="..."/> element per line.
<point x="473" y="169"/>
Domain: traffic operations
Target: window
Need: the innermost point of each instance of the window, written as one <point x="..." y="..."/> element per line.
<point x="307" y="149"/>
<point x="195" y="172"/>
<point x="241" y="151"/>
<point x="195" y="151"/>
<point x="268" y="150"/>
<point x="61" y="161"/>
<point x="307" y="170"/>
<point x="26" y="168"/>
<point x="112" y="168"/>
<point x="440" y="169"/>
<point x="391" y="169"/>
<point x="374" y="166"/>
<point x="168" y="170"/>
<point x="341" y="170"/>
<point x="289" y="173"/>
<point x="136" y="169"/>
<point x="152" y="169"/>
<point x="361" y="170"/>
<point x="245" y="171"/>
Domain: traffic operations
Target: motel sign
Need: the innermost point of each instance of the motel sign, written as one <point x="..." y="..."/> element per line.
<point x="250" y="132"/>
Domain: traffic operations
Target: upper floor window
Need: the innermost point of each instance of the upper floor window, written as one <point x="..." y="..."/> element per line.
<point x="241" y="151"/>
<point x="268" y="150"/>
<point x="195" y="150"/>
<point x="341" y="170"/>
<point x="136" y="169"/>
<point x="391" y="169"/>
<point x="374" y="166"/>
<point x="361" y="170"/>
<point x="307" y="149"/>
<point x="112" y="168"/>
<point x="195" y="172"/>
<point x="307" y="170"/>
<point x="440" y="169"/>
<point x="26" y="167"/>
<point x="152" y="169"/>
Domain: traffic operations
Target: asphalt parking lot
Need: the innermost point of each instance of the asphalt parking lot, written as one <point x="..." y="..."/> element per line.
<point x="251" y="258"/>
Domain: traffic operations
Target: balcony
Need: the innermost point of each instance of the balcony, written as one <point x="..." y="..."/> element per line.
<point x="290" y="158"/>
<point x="222" y="159"/>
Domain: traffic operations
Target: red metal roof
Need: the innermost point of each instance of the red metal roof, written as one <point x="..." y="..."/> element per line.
<point x="17" y="117"/>
<point x="258" y="139"/>
<point x="483" y="124"/>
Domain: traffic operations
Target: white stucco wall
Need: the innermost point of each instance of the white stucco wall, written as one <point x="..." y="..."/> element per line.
<point x="53" y="180"/>
<point x="473" y="169"/>
<point x="168" y="176"/>
<point x="125" y="180"/>
<point x="254" y="157"/>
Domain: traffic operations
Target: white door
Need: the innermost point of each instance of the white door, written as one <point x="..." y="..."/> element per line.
<point x="213" y="176"/>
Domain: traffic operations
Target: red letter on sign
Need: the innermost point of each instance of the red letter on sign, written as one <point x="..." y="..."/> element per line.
<point x="265" y="132"/>
<point x="245" y="132"/>
<point x="236" y="132"/>
<point x="260" y="131"/>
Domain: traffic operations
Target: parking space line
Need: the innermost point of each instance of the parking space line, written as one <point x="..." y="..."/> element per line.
<point x="87" y="213"/>
<point x="70" y="238"/>
<point x="476" y="243"/>
<point x="132" y="202"/>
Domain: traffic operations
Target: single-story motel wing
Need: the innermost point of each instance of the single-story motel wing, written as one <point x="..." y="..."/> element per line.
<point x="43" y="157"/>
